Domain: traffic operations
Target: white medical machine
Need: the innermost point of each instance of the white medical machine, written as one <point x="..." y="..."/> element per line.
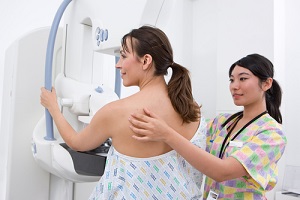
<point x="79" y="60"/>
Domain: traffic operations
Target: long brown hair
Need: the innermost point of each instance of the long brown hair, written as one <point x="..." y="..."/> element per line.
<point x="153" y="41"/>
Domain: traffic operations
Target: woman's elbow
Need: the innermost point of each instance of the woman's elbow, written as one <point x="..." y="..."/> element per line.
<point x="230" y="169"/>
<point x="74" y="145"/>
<point x="221" y="176"/>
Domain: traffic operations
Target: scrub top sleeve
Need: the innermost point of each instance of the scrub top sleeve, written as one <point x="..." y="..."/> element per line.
<point x="260" y="155"/>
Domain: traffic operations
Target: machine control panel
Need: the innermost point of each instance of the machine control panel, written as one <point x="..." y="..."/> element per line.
<point x="101" y="35"/>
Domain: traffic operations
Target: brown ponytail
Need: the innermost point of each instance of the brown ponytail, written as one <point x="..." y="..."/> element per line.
<point x="180" y="93"/>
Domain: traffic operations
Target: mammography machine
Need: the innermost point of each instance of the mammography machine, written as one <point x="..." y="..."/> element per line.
<point x="84" y="51"/>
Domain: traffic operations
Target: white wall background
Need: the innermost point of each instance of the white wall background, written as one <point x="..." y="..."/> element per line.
<point x="223" y="31"/>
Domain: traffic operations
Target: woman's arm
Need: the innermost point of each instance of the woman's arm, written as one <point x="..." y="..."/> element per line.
<point x="88" y="138"/>
<point x="149" y="127"/>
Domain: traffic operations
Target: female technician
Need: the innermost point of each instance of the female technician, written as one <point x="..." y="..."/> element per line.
<point x="243" y="149"/>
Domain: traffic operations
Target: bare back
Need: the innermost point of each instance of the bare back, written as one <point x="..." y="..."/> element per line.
<point x="159" y="102"/>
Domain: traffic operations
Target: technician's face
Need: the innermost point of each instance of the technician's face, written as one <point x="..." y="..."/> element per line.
<point x="245" y="88"/>
<point x="129" y="65"/>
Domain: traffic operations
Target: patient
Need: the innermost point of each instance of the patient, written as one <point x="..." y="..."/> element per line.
<point x="137" y="169"/>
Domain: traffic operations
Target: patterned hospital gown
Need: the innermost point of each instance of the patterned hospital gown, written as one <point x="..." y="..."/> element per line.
<point x="263" y="145"/>
<point x="162" y="177"/>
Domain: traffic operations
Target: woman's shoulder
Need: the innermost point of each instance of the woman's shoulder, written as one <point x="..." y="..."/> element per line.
<point x="220" y="118"/>
<point x="109" y="110"/>
<point x="120" y="107"/>
<point x="269" y="124"/>
<point x="270" y="121"/>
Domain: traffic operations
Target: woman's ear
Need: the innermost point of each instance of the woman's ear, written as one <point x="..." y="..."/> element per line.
<point x="147" y="61"/>
<point x="267" y="84"/>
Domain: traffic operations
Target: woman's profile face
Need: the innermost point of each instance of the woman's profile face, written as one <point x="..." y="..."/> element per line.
<point x="129" y="65"/>
<point x="245" y="87"/>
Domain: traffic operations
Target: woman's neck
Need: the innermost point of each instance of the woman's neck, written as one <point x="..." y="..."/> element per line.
<point x="250" y="113"/>
<point x="154" y="82"/>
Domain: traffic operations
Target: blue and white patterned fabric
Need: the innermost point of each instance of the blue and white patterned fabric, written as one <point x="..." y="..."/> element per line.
<point x="167" y="176"/>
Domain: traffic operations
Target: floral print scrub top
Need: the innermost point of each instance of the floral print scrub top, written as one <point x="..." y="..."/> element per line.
<point x="263" y="144"/>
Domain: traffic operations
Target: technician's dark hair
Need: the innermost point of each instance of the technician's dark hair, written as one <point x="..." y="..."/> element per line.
<point x="153" y="41"/>
<point x="263" y="69"/>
